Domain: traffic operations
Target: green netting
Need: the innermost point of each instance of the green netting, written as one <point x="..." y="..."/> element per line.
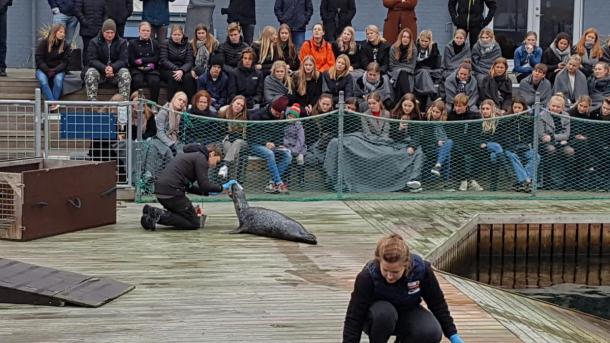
<point x="356" y="156"/>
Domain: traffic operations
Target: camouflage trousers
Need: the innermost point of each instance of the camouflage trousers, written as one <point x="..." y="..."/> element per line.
<point x="93" y="79"/>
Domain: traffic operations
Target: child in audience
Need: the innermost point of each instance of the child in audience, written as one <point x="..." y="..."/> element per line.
<point x="571" y="82"/>
<point x="527" y="56"/>
<point x="494" y="137"/>
<point x="437" y="140"/>
<point x="294" y="134"/>
<point x="216" y="82"/>
<point x="484" y="53"/>
<point x="536" y="82"/>
<point x="497" y="86"/>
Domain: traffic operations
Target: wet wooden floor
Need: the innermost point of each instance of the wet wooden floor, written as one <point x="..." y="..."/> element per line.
<point x="209" y="286"/>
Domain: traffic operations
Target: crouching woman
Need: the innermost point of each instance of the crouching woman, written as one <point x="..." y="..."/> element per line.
<point x="387" y="296"/>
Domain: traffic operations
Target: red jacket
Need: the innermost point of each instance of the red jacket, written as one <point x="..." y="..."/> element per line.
<point x="324" y="56"/>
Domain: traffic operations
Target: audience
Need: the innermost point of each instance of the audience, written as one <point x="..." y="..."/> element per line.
<point x="51" y="62"/>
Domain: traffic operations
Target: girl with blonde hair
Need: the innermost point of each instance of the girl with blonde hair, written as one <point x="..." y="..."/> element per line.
<point x="278" y="83"/>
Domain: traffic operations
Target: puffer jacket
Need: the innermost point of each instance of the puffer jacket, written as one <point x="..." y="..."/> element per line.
<point x="231" y="52"/>
<point x="176" y="56"/>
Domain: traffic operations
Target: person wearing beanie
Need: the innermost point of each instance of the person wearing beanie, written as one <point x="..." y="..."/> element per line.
<point x="294" y="137"/>
<point x="267" y="144"/>
<point x="91" y="15"/>
<point x="108" y="59"/>
<point x="216" y="82"/>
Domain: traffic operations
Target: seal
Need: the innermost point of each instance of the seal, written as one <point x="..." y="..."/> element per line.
<point x="264" y="222"/>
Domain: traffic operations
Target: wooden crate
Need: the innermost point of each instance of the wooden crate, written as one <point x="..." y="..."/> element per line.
<point x="45" y="197"/>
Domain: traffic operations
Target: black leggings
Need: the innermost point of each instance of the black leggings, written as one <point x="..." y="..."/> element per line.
<point x="140" y="79"/>
<point x="415" y="325"/>
<point x="179" y="213"/>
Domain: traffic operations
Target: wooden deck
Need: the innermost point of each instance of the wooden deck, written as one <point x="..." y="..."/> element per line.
<point x="208" y="286"/>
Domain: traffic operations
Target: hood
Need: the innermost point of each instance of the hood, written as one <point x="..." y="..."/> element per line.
<point x="196" y="147"/>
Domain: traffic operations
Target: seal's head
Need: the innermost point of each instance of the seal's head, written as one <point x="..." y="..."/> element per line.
<point x="239" y="198"/>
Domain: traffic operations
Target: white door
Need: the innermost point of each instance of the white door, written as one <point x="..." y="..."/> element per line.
<point x="546" y="17"/>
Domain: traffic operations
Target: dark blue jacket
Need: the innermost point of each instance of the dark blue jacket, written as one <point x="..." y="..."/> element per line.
<point x="219" y="89"/>
<point x="65" y="6"/>
<point x="269" y="132"/>
<point x="295" y="13"/>
<point x="156" y="12"/>
<point x="406" y="293"/>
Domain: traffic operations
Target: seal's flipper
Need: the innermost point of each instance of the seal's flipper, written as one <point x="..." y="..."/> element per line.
<point x="240" y="229"/>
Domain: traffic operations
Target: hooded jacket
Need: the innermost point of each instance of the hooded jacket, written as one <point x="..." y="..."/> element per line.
<point x="247" y="82"/>
<point x="185" y="169"/>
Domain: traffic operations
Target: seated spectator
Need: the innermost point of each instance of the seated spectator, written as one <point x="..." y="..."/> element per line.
<point x="266" y="50"/>
<point x="317" y="129"/>
<point x="147" y="119"/>
<point x="199" y="129"/>
<point x="268" y="144"/>
<point x="216" y="82"/>
<point x="168" y="121"/>
<point x="320" y="49"/>
<point x="374" y="49"/>
<point x="556" y="55"/>
<point x="527" y="56"/>
<point x="484" y="53"/>
<point x="428" y="71"/>
<point x="402" y="63"/>
<point x="108" y="60"/>
<point x="203" y="45"/>
<point x="536" y="82"/>
<point x="519" y="150"/>
<point x="296" y="14"/>
<point x="51" y="62"/>
<point x="581" y="140"/>
<point x="234" y="141"/>
<point x="371" y="81"/>
<point x="436" y="140"/>
<point x="455" y="53"/>
<point x="554" y="133"/>
<point x="603" y="113"/>
<point x="176" y="59"/>
<point x="376" y="128"/>
<point x="403" y="132"/>
<point x="294" y="134"/>
<point x="462" y="81"/>
<point x="338" y="79"/>
<point x="493" y="137"/>
<point x="590" y="51"/>
<point x="497" y="86"/>
<point x="571" y="82"/>
<point x="346" y="45"/>
<point x="278" y="83"/>
<point x="307" y="85"/>
<point x="144" y="62"/>
<point x="606" y="48"/>
<point x="599" y="84"/>
<point x="247" y="80"/>
<point x="231" y="49"/>
<point x="286" y="49"/>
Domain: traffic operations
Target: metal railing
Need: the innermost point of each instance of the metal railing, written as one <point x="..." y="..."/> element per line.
<point x="20" y="130"/>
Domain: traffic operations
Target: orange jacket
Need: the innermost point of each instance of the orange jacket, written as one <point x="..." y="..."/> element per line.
<point x="324" y="56"/>
<point x="399" y="5"/>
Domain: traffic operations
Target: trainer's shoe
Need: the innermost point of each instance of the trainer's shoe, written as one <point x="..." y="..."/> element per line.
<point x="148" y="223"/>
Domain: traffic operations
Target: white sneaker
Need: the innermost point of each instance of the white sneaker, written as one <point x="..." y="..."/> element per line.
<point x="436" y="170"/>
<point x="463" y="186"/>
<point x="223" y="172"/>
<point x="414" y="184"/>
<point x="474" y="185"/>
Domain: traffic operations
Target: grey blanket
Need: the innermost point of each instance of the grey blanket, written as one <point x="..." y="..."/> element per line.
<point x="274" y="88"/>
<point x="72" y="84"/>
<point x="482" y="60"/>
<point x="528" y="92"/>
<point x="396" y="66"/>
<point x="451" y="60"/>
<point x="363" y="157"/>
<point x="562" y="84"/>
<point x="452" y="89"/>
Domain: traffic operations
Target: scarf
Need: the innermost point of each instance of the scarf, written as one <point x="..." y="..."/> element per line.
<point x="586" y="57"/>
<point x="486" y="48"/>
<point x="174" y="123"/>
<point x="563" y="56"/>
<point x="457" y="48"/>
<point x="422" y="55"/>
<point x="203" y="55"/>
<point x="370" y="87"/>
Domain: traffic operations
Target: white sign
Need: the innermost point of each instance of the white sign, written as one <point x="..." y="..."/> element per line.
<point x="178" y="6"/>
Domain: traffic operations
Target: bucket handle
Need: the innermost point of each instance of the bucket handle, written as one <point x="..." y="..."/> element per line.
<point x="75" y="202"/>
<point x="108" y="191"/>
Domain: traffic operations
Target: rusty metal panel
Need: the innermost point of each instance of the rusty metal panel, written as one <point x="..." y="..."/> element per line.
<point x="31" y="284"/>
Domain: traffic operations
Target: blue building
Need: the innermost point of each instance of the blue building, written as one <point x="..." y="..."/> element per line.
<point x="512" y="20"/>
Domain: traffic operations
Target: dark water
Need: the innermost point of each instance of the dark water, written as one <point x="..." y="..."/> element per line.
<point x="576" y="282"/>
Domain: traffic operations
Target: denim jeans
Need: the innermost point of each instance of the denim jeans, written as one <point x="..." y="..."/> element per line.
<point x="3" y="30"/>
<point x="522" y="173"/>
<point x="70" y="22"/>
<point x="494" y="149"/>
<point x="276" y="168"/>
<point x="298" y="37"/>
<point x="443" y="157"/>
<point x="58" y="85"/>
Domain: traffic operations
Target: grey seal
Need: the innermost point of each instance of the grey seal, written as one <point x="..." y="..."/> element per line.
<point x="264" y="222"/>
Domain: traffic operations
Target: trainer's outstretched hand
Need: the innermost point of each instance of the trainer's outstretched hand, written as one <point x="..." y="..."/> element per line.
<point x="227" y="186"/>
<point x="455" y="338"/>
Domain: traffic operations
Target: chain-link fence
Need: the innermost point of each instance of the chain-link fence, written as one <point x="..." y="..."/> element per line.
<point x="346" y="155"/>
<point x="91" y="130"/>
<point x="19" y="129"/>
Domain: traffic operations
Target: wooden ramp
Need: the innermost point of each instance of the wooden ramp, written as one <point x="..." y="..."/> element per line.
<point x="24" y="283"/>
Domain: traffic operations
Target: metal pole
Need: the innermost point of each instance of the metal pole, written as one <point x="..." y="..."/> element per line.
<point x="340" y="146"/>
<point x="537" y="106"/>
<point x="37" y="122"/>
<point x="47" y="136"/>
<point x="129" y="145"/>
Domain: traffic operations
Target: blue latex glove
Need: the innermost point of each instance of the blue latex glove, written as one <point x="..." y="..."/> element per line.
<point x="455" y="338"/>
<point x="228" y="185"/>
